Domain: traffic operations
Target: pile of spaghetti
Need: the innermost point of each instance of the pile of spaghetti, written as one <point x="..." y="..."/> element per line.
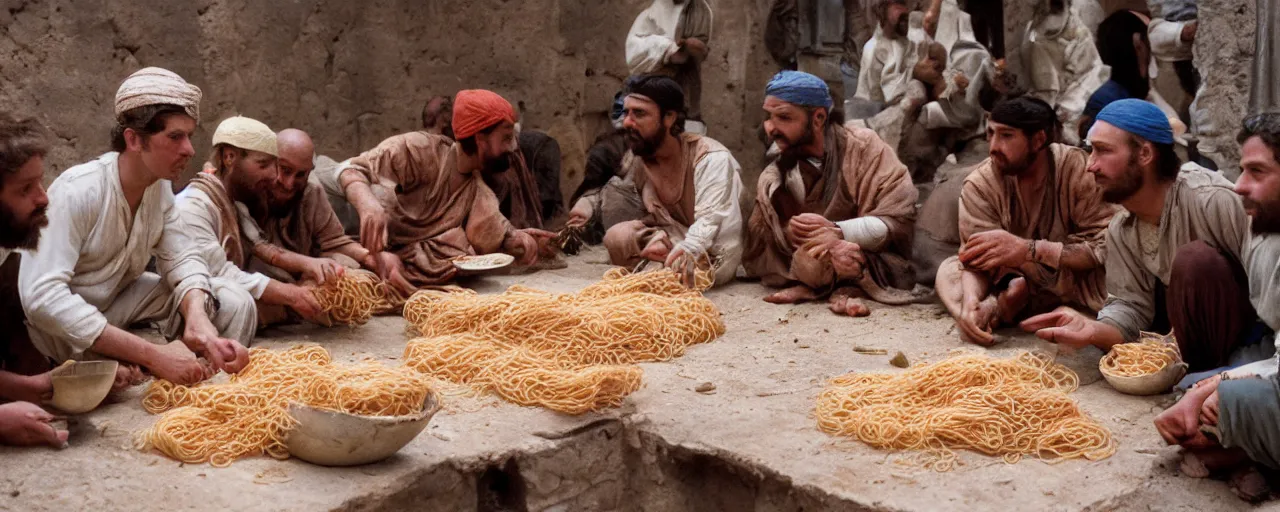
<point x="571" y="353"/>
<point x="219" y="423"/>
<point x="1009" y="407"/>
<point x="1149" y="356"/>
<point x="355" y="297"/>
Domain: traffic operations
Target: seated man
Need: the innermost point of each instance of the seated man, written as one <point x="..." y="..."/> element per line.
<point x="1173" y="253"/>
<point x="1032" y="225"/>
<point x="423" y="197"/>
<point x="541" y="155"/>
<point x="1062" y="62"/>
<point x="604" y="167"/>
<point x="298" y="237"/>
<point x="1242" y="406"/>
<point x="689" y="186"/>
<point x="244" y="156"/>
<point x="24" y="372"/>
<point x="87" y="284"/>
<point x="835" y="205"/>
<point x="671" y="38"/>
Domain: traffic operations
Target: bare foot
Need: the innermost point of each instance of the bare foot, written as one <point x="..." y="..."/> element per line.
<point x="1249" y="484"/>
<point x="1011" y="301"/>
<point x="848" y="301"/>
<point x="1192" y="467"/>
<point x="793" y="295"/>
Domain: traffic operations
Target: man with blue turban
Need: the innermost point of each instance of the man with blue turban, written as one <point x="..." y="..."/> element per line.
<point x="836" y="206"/>
<point x="1173" y="252"/>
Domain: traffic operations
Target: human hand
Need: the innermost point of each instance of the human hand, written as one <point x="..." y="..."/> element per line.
<point x="303" y="301"/>
<point x="580" y="214"/>
<point x="975" y="322"/>
<point x="184" y="370"/>
<point x="321" y="270"/>
<point x="808" y="226"/>
<point x="1064" y="326"/>
<point x="26" y="424"/>
<point x="373" y="227"/>
<point x="223" y="354"/>
<point x="991" y="250"/>
<point x="127" y="376"/>
<point x="391" y="270"/>
<point x="1189" y="31"/>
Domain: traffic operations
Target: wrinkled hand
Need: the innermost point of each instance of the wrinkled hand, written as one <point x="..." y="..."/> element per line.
<point x="926" y="71"/>
<point x="1064" y="326"/>
<point x="26" y="424"/>
<point x="580" y="214"/>
<point x="962" y="83"/>
<point x="391" y="270"/>
<point x="35" y="389"/>
<point x="1209" y="411"/>
<point x="185" y="370"/>
<point x="694" y="47"/>
<point x="809" y="226"/>
<point x="991" y="250"/>
<point x="127" y="376"/>
<point x="304" y="302"/>
<point x="321" y="270"/>
<point x="975" y="323"/>
<point x="846" y="257"/>
<point x="223" y="354"/>
<point x="1180" y="424"/>
<point x="373" y="228"/>
<point x="526" y="244"/>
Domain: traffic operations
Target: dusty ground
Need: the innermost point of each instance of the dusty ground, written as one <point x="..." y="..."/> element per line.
<point x="752" y="445"/>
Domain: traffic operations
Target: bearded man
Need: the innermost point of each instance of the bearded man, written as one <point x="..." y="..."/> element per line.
<point x="298" y="237"/>
<point x="1173" y="252"/>
<point x="835" y="205"/>
<point x="1032" y="227"/>
<point x="423" y="197"/>
<point x="689" y="185"/>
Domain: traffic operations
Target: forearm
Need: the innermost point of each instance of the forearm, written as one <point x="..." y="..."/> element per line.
<point x="19" y="387"/>
<point x="117" y="343"/>
<point x="1104" y="335"/>
<point x="1075" y="257"/>
<point x="277" y="294"/>
<point x="358" y="253"/>
<point x="358" y="191"/>
<point x="976" y="286"/>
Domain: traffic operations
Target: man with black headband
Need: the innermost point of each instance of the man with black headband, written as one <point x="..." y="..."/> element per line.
<point x="689" y="185"/>
<point x="837" y="204"/>
<point x="1032" y="227"/>
<point x="1173" y="252"/>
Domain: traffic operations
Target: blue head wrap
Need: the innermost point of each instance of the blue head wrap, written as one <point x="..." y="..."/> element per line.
<point x="800" y="88"/>
<point x="1141" y="118"/>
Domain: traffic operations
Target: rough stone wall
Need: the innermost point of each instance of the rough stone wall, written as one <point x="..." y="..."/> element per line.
<point x="353" y="73"/>
<point x="1224" y="52"/>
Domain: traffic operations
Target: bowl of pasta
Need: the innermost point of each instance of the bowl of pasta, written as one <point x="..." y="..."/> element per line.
<point x="1150" y="366"/>
<point x="332" y="438"/>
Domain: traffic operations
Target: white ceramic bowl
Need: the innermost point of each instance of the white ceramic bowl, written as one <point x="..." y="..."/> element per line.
<point x="328" y="438"/>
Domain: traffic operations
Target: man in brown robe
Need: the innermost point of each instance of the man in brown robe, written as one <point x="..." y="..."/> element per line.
<point x="1032" y="227"/>
<point x="298" y="237"/>
<point x="835" y="205"/>
<point x="423" y="197"/>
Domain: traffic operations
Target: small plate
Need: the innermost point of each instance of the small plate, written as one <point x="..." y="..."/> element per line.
<point x="483" y="262"/>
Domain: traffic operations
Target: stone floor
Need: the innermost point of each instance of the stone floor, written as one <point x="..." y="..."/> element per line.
<point x="752" y="444"/>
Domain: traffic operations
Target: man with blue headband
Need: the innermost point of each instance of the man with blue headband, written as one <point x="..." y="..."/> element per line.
<point x="835" y="205"/>
<point x="1173" y="252"/>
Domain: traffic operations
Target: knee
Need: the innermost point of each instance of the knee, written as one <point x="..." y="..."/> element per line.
<point x="1200" y="262"/>
<point x="948" y="273"/>
<point x="620" y="241"/>
<point x="234" y="303"/>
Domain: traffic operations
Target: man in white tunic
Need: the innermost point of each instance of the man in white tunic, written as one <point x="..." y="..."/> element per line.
<point x="245" y="157"/>
<point x="87" y="282"/>
<point x="1063" y="63"/>
<point x="671" y="38"/>
<point x="690" y="186"/>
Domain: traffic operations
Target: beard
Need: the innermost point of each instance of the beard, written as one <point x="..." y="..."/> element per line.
<point x="283" y="207"/>
<point x="1008" y="167"/>
<point x="902" y="27"/>
<point x="497" y="165"/>
<point x="1266" y="216"/>
<point x="793" y="146"/>
<point x="18" y="234"/>
<point x="643" y="146"/>
<point x="1126" y="185"/>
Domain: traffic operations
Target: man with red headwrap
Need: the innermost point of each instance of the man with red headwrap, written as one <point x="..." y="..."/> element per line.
<point x="424" y="197"/>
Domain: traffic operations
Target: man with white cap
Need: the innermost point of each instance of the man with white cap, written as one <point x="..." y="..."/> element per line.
<point x="1173" y="253"/>
<point x="87" y="281"/>
<point x="244" y="156"/>
<point x="837" y="203"/>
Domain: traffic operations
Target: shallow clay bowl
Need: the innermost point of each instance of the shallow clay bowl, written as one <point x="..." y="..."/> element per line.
<point x="483" y="263"/>
<point x="80" y="386"/>
<point x="1151" y="384"/>
<point x="328" y="438"/>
